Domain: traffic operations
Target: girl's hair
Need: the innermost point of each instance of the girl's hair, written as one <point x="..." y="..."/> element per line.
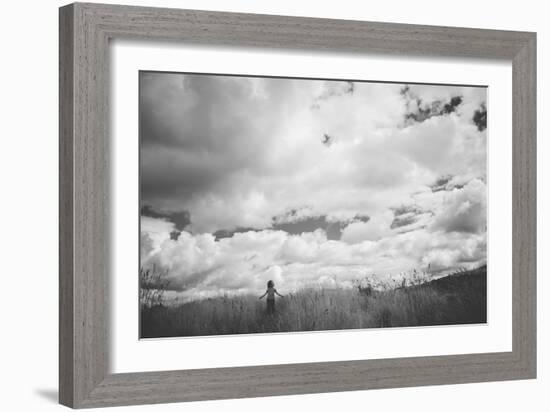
<point x="270" y="284"/>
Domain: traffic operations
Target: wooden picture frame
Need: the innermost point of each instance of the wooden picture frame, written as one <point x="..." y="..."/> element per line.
<point x="85" y="31"/>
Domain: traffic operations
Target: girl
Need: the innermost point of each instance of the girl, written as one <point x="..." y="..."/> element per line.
<point x="271" y="292"/>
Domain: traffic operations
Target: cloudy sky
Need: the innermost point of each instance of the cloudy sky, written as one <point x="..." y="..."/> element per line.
<point x="307" y="182"/>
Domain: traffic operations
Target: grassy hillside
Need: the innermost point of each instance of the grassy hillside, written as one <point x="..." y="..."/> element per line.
<point x="455" y="299"/>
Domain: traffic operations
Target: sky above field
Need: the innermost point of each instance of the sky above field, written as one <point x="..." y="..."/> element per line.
<point x="307" y="183"/>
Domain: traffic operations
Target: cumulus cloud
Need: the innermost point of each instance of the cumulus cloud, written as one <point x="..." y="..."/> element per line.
<point x="155" y="232"/>
<point x="304" y="180"/>
<point x="198" y="265"/>
<point x="375" y="228"/>
<point x="463" y="210"/>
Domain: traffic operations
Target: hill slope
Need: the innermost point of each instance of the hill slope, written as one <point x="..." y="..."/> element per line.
<point x="455" y="299"/>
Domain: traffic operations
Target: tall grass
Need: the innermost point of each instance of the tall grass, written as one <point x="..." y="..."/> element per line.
<point x="455" y="299"/>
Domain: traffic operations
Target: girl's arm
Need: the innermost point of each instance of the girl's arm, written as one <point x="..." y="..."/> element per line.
<point x="263" y="294"/>
<point x="278" y="293"/>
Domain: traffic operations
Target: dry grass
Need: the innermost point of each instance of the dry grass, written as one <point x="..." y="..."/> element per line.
<point x="455" y="299"/>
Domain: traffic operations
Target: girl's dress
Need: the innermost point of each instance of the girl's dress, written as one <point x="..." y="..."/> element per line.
<point x="271" y="300"/>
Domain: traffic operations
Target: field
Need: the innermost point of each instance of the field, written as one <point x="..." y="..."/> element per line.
<point x="460" y="298"/>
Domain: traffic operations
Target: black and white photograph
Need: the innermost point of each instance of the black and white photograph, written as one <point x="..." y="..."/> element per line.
<point x="272" y="204"/>
<point x="233" y="205"/>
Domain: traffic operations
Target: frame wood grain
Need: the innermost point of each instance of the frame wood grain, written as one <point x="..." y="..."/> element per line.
<point x="85" y="31"/>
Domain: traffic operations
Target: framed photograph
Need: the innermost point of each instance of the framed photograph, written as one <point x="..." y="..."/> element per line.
<point x="258" y="205"/>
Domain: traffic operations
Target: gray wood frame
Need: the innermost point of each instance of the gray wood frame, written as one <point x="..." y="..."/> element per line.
<point x="85" y="30"/>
